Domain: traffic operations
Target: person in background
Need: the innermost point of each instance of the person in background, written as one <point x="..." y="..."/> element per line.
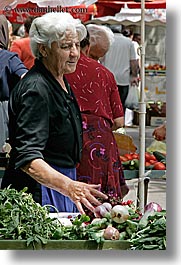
<point x="159" y="133"/>
<point x="98" y="48"/>
<point x="134" y="37"/>
<point x="137" y="38"/>
<point x="11" y="37"/>
<point x="97" y="94"/>
<point x="11" y="71"/>
<point x="121" y="61"/>
<point x="47" y="142"/>
<point x="22" y="46"/>
<point x="129" y="114"/>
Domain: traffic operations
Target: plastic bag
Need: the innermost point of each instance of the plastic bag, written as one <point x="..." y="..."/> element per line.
<point x="120" y="130"/>
<point x="132" y="100"/>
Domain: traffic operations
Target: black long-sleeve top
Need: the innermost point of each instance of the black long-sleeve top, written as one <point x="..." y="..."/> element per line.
<point x="44" y="122"/>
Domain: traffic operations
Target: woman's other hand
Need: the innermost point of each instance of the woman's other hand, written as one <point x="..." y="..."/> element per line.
<point x="82" y="193"/>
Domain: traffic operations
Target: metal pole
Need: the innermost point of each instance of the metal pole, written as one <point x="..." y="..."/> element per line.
<point x="142" y="114"/>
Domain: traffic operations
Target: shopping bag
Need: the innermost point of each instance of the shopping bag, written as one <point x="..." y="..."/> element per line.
<point x="132" y="100"/>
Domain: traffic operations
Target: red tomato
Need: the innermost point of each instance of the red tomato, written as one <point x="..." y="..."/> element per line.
<point x="147" y="164"/>
<point x="153" y="161"/>
<point x="135" y="156"/>
<point x="123" y="159"/>
<point x="159" y="166"/>
<point x="128" y="156"/>
<point x="152" y="157"/>
<point x="147" y="156"/>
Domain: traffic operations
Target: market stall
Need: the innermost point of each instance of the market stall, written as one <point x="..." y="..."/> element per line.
<point x="27" y="225"/>
<point x="91" y="240"/>
<point x="155" y="54"/>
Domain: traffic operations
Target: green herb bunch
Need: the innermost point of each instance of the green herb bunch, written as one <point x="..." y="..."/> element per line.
<point x="22" y="218"/>
<point x="151" y="232"/>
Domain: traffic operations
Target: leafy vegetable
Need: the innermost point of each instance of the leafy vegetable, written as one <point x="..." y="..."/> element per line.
<point x="152" y="235"/>
<point x="23" y="219"/>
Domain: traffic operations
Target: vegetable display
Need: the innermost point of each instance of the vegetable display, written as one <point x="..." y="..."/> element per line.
<point x="155" y="161"/>
<point x="22" y="218"/>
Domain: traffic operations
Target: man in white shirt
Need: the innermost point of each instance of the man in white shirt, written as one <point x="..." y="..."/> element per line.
<point x="121" y="61"/>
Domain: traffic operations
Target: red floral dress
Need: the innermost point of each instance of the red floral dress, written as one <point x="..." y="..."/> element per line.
<point x="97" y="94"/>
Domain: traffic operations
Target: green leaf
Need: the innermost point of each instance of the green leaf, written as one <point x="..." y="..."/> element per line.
<point x="150" y="247"/>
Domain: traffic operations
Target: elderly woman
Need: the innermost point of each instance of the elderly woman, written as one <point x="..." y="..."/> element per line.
<point x="45" y="121"/>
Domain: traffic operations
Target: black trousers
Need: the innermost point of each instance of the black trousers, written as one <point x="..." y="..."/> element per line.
<point x="123" y="92"/>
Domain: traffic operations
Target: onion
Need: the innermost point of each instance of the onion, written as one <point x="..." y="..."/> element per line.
<point x="153" y="206"/>
<point x="108" y="206"/>
<point x="111" y="233"/>
<point x="119" y="214"/>
<point x="100" y="211"/>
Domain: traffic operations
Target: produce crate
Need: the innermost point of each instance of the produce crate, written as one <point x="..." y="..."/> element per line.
<point x="66" y="245"/>
<point x="153" y="109"/>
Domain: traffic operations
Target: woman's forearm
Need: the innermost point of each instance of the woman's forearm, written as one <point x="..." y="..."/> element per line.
<point x="39" y="170"/>
<point x="79" y="192"/>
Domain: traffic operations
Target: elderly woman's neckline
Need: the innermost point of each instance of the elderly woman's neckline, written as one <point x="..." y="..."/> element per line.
<point x="59" y="78"/>
<point x="62" y="83"/>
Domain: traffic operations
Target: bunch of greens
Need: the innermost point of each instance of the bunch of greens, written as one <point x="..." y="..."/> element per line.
<point x="151" y="232"/>
<point x="82" y="229"/>
<point x="22" y="218"/>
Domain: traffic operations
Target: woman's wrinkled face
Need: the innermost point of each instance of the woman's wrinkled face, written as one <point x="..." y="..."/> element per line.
<point x="63" y="56"/>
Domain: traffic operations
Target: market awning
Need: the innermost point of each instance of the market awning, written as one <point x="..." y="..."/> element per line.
<point x="132" y="16"/>
<point x="19" y="10"/>
<point x="110" y="8"/>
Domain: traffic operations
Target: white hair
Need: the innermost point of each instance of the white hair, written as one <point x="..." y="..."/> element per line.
<point x="100" y="35"/>
<point x="52" y="27"/>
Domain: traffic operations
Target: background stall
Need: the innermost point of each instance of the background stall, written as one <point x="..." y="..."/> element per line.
<point x="155" y="56"/>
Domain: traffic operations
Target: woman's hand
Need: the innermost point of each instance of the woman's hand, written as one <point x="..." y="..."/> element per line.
<point x="160" y="133"/>
<point x="79" y="192"/>
<point x="118" y="123"/>
<point x="82" y="193"/>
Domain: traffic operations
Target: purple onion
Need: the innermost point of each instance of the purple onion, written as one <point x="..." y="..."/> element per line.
<point x="153" y="206"/>
<point x="100" y="211"/>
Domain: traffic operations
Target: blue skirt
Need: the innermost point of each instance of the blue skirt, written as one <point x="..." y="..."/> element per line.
<point x="52" y="197"/>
